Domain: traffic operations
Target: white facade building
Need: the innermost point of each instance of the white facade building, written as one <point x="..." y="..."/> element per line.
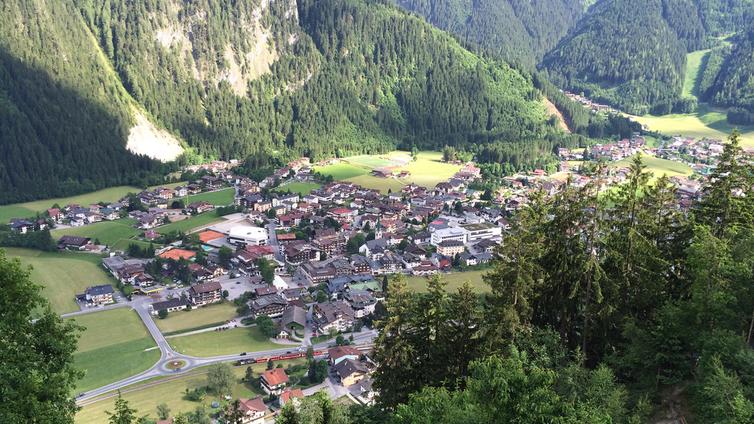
<point x="247" y="235"/>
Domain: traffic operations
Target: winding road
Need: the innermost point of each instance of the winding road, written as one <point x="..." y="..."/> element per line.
<point x="168" y="355"/>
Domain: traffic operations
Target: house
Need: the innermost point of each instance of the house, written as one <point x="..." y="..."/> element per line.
<point x="333" y="316"/>
<point x="273" y="381"/>
<point x="363" y="392"/>
<point x="341" y="353"/>
<point x="289" y="395"/>
<point x="294" y="318"/>
<point x="170" y="305"/>
<point x="362" y="302"/>
<point x="205" y="293"/>
<point x="97" y="295"/>
<point x="55" y="215"/>
<point x="450" y="248"/>
<point x="271" y="305"/>
<point x="73" y="242"/>
<point x="253" y="410"/>
<point x="350" y="371"/>
<point x="200" y="207"/>
<point x="21" y="226"/>
<point x="297" y="253"/>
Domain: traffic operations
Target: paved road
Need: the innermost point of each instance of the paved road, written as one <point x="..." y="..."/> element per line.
<point x="273" y="240"/>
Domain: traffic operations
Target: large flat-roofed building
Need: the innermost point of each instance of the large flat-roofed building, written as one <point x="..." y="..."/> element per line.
<point x="482" y="231"/>
<point x="449" y="234"/>
<point x="247" y="235"/>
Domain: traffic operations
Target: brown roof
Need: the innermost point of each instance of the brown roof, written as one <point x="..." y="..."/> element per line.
<point x="275" y="376"/>
<point x="341" y="351"/>
<point x="253" y="405"/>
<point x="207" y="287"/>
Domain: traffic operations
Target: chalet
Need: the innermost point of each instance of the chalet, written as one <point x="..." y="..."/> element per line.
<point x="205" y="293"/>
<point x="55" y="215"/>
<point x="273" y="381"/>
<point x="350" y="371"/>
<point x="271" y="305"/>
<point x="200" y="207"/>
<point x="253" y="410"/>
<point x="340" y="353"/>
<point x="297" y="253"/>
<point x="97" y="295"/>
<point x="21" y="226"/>
<point x="293" y="318"/>
<point x="73" y="243"/>
<point x="290" y="395"/>
<point x="333" y="316"/>
<point x="362" y="302"/>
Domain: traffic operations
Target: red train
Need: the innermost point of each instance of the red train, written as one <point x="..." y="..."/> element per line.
<point x="283" y="357"/>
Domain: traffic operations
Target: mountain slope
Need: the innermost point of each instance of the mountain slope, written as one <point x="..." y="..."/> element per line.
<point x="520" y="31"/>
<point x="362" y="75"/>
<point x="733" y="84"/>
<point x="631" y="53"/>
<point x="63" y="119"/>
<point x="235" y="79"/>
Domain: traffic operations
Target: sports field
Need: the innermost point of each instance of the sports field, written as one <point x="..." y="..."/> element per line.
<point x="62" y="274"/>
<point x="144" y="397"/>
<point x="706" y="122"/>
<point x="300" y="187"/>
<point x="222" y="197"/>
<point x="30" y="209"/>
<point x="189" y="224"/>
<point x="228" y="342"/>
<point x="113" y="346"/>
<point x="196" y="318"/>
<point x="454" y="280"/>
<point x="107" y="232"/>
<point x="427" y="170"/>
<point x="658" y="166"/>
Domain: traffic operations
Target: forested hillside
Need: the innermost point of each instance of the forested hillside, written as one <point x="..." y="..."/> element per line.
<point x="234" y="79"/>
<point x="730" y="78"/>
<point x="63" y="118"/>
<point x="519" y="31"/>
<point x="632" y="53"/>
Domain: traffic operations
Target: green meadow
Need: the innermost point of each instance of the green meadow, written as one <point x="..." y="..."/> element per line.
<point x="114" y="345"/>
<point x="62" y="275"/>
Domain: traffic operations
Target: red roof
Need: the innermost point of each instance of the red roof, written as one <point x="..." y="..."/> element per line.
<point x="176" y="254"/>
<point x="275" y="377"/>
<point x="253" y="405"/>
<point x="341" y="211"/>
<point x="286" y="236"/>
<point x="289" y="394"/>
<point x="341" y="351"/>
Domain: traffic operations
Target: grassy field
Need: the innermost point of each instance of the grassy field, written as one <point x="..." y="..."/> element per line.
<point x="659" y="166"/>
<point x="454" y="280"/>
<point x="427" y="170"/>
<point x="29" y="209"/>
<point x="342" y="171"/>
<point x="302" y="188"/>
<point x="707" y="122"/>
<point x="145" y="397"/>
<point x="189" y="224"/>
<point x="694" y="61"/>
<point x="107" y="232"/>
<point x="112" y="347"/>
<point x="63" y="275"/>
<point x="215" y="343"/>
<point x="197" y="317"/>
<point x="222" y="197"/>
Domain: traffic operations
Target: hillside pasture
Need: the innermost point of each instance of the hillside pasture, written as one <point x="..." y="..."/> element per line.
<point x="62" y="274"/>
<point x="694" y="67"/>
<point x="426" y="171"/>
<point x="30" y="209"/>
<point x="114" y="345"/>
<point x="707" y="122"/>
<point x="107" y="232"/>
<point x="454" y="280"/>
<point x="658" y="167"/>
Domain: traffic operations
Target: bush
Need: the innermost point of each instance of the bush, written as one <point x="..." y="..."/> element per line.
<point x="162" y="313"/>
